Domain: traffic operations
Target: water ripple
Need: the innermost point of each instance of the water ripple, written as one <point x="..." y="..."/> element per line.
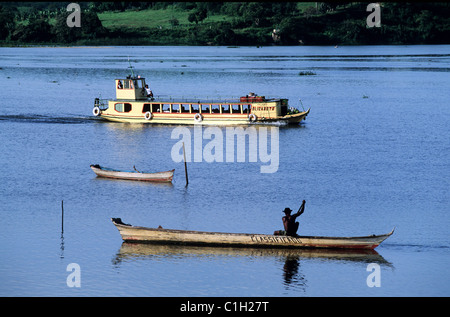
<point x="36" y="118"/>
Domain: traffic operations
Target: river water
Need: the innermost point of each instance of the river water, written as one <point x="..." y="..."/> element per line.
<point x="372" y="155"/>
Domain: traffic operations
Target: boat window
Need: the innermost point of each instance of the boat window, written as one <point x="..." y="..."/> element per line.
<point x="165" y="107"/>
<point x="225" y="108"/>
<point x="246" y="108"/>
<point x="236" y="109"/>
<point x="155" y="107"/>
<point x="184" y="108"/>
<point x="120" y="84"/>
<point x="128" y="84"/>
<point x="215" y="108"/>
<point x="138" y="83"/>
<point x="195" y="107"/>
<point x="146" y="107"/>
<point x="122" y="107"/>
<point x="175" y="107"/>
<point x="205" y="108"/>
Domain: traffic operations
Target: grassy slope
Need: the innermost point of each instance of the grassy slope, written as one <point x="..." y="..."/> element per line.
<point x="149" y="18"/>
<point x="156" y="18"/>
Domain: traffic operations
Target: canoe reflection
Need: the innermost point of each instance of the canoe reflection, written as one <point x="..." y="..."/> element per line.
<point x="130" y="251"/>
<point x="292" y="257"/>
<point x="132" y="182"/>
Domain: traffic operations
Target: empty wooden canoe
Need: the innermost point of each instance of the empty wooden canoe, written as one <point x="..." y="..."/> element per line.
<point x="133" y="175"/>
<point x="131" y="233"/>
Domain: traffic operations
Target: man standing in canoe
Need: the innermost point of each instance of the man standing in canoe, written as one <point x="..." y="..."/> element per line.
<point x="290" y="226"/>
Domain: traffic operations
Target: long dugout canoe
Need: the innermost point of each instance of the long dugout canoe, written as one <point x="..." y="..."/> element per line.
<point x="138" y="234"/>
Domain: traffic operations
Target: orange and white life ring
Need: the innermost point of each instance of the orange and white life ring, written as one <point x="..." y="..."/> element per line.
<point x="252" y="117"/>
<point x="198" y="117"/>
<point x="148" y="115"/>
<point x="96" y="111"/>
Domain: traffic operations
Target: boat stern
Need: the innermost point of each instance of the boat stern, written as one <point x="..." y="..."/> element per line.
<point x="100" y="105"/>
<point x="271" y="110"/>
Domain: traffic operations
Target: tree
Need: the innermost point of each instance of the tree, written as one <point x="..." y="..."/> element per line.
<point x="174" y="22"/>
<point x="91" y="28"/>
<point x="197" y="16"/>
<point x="225" y="35"/>
<point x="38" y="30"/>
<point x="256" y="13"/>
<point x="426" y="25"/>
<point x="63" y="33"/>
<point x="7" y="23"/>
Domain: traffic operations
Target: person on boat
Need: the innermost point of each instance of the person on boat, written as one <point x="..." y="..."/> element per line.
<point x="290" y="225"/>
<point x="120" y="85"/>
<point x="149" y="92"/>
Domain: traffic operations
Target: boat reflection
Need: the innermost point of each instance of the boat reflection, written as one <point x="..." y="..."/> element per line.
<point x="292" y="275"/>
<point x="133" y="182"/>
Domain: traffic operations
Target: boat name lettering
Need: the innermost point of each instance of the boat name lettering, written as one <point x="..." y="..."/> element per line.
<point x="275" y="239"/>
<point x="255" y="108"/>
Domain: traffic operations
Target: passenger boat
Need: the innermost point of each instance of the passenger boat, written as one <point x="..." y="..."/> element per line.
<point x="133" y="175"/>
<point x="131" y="233"/>
<point x="132" y="104"/>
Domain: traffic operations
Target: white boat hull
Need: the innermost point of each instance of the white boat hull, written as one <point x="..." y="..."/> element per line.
<point x="136" y="176"/>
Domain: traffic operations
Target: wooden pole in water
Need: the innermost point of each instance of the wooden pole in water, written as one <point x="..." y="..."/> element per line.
<point x="62" y="216"/>
<point x="185" y="165"/>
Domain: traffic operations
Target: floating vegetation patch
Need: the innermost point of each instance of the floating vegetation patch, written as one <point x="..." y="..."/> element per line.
<point x="307" y="73"/>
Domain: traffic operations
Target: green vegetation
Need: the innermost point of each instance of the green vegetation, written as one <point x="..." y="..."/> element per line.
<point x="223" y="23"/>
<point x="307" y="73"/>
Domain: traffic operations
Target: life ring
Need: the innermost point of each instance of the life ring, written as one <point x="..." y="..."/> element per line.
<point x="252" y="117"/>
<point x="198" y="117"/>
<point x="148" y="115"/>
<point x="96" y="111"/>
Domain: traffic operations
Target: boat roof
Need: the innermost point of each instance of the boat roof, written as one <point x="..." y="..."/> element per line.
<point x="193" y="100"/>
<point x="130" y="77"/>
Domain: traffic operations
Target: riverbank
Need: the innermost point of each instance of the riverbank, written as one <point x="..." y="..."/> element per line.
<point x="240" y="24"/>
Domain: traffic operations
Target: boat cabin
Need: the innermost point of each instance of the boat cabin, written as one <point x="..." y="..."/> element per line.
<point x="131" y="88"/>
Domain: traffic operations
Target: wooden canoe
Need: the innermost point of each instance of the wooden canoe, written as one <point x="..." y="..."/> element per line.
<point x="133" y="175"/>
<point x="131" y="233"/>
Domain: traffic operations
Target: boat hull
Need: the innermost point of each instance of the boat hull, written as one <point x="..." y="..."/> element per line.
<point x="207" y="119"/>
<point x="136" y="176"/>
<point x="192" y="113"/>
<point x="169" y="236"/>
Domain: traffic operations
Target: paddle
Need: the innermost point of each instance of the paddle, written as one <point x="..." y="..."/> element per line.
<point x="302" y="208"/>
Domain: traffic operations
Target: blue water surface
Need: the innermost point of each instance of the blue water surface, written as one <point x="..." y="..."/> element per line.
<point x="372" y="155"/>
